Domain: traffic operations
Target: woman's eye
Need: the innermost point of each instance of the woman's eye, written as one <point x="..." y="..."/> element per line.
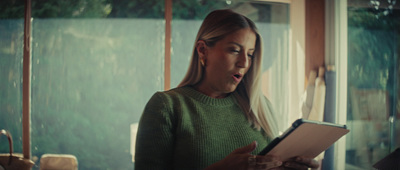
<point x="235" y="51"/>
<point x="250" y="55"/>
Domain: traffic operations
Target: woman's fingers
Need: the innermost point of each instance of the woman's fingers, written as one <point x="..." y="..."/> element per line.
<point x="302" y="163"/>
<point x="246" y="149"/>
<point x="311" y="163"/>
<point x="263" y="162"/>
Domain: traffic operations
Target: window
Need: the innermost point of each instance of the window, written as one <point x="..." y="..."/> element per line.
<point x="11" y="42"/>
<point x="91" y="78"/>
<point x="96" y="63"/>
<point x="369" y="77"/>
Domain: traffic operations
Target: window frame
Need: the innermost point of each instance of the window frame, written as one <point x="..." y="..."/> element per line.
<point x="341" y="60"/>
<point x="26" y="83"/>
<point x="336" y="55"/>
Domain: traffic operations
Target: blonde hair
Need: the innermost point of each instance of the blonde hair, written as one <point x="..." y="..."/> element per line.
<point x="248" y="94"/>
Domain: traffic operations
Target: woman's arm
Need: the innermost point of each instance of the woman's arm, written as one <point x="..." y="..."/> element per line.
<point x="155" y="138"/>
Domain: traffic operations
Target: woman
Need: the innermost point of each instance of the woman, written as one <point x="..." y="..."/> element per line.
<point x="217" y="118"/>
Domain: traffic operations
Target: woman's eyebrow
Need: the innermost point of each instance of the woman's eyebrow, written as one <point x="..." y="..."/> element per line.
<point x="241" y="46"/>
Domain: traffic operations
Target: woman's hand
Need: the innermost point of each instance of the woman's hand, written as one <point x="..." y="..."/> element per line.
<point x="242" y="159"/>
<point x="299" y="163"/>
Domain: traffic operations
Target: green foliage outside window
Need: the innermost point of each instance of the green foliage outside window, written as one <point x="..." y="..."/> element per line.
<point x="373" y="60"/>
<point x="182" y="9"/>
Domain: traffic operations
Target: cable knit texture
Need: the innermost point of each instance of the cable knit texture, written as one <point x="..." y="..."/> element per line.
<point x="185" y="129"/>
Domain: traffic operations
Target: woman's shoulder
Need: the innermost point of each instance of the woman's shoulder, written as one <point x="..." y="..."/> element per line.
<point x="163" y="101"/>
<point x="173" y="93"/>
<point x="169" y="96"/>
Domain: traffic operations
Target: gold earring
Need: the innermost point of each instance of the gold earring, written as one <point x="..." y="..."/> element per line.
<point x="202" y="62"/>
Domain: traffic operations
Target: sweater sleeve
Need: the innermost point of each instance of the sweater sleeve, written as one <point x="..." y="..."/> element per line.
<point x="155" y="139"/>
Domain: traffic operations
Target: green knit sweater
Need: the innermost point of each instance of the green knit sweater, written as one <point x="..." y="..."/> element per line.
<point x="185" y="129"/>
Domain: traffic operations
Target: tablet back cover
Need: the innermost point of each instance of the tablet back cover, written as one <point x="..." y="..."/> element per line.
<point x="308" y="140"/>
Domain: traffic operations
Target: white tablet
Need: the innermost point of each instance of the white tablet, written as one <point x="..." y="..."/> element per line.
<point x="305" y="138"/>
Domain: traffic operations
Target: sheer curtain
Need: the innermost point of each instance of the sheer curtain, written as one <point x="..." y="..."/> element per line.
<point x="283" y="77"/>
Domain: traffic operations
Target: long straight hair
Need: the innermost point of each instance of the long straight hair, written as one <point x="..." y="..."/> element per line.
<point x="248" y="94"/>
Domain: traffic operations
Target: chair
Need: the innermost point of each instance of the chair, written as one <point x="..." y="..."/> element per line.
<point x="58" y="162"/>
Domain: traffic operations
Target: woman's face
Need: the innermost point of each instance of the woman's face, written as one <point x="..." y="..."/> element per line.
<point x="226" y="62"/>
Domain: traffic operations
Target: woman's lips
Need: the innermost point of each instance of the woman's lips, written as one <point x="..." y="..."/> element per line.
<point x="237" y="77"/>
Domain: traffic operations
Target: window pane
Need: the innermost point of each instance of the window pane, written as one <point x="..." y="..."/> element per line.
<point x="272" y="20"/>
<point x="373" y="43"/>
<point x="11" y="55"/>
<point x="94" y="67"/>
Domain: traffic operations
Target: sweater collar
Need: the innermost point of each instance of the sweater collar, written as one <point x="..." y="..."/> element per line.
<point x="193" y="93"/>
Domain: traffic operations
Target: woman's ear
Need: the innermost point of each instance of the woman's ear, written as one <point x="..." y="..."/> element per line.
<point x="201" y="48"/>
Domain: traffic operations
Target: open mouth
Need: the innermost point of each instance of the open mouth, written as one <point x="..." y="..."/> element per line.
<point x="237" y="77"/>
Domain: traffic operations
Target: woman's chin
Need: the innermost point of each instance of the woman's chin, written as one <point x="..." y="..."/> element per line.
<point x="230" y="89"/>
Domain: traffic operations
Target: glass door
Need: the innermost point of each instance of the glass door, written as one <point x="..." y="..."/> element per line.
<point x="373" y="41"/>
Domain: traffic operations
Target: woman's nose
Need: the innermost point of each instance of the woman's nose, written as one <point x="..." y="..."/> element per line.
<point x="243" y="60"/>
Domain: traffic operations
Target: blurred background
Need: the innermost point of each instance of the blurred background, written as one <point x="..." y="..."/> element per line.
<point x="95" y="64"/>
